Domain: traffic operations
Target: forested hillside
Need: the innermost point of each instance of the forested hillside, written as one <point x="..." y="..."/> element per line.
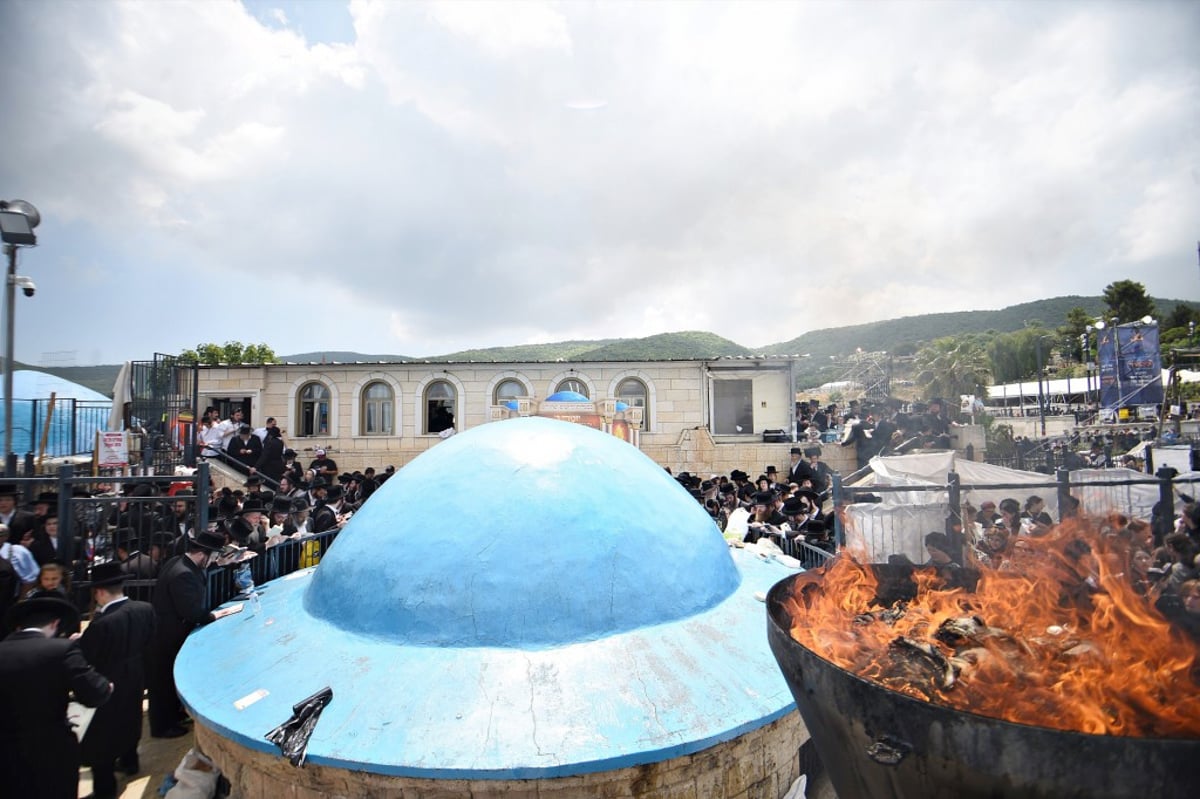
<point x="902" y="336"/>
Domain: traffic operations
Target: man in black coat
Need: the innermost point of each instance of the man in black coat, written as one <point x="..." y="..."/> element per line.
<point x="115" y="643"/>
<point x="244" y="449"/>
<point x="798" y="470"/>
<point x="39" y="754"/>
<point x="19" y="521"/>
<point x="179" y="607"/>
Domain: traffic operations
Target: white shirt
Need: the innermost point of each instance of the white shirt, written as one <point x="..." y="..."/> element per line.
<point x="22" y="561"/>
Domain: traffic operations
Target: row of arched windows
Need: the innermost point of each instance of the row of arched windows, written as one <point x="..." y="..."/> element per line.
<point x="439" y="403"/>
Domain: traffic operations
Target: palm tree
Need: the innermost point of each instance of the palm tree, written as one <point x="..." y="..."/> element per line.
<point x="952" y="366"/>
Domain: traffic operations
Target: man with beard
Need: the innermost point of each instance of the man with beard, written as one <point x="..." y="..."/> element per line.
<point x="765" y="519"/>
<point x="114" y="643"/>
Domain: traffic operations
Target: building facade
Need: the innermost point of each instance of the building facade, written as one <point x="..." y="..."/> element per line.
<point x="699" y="416"/>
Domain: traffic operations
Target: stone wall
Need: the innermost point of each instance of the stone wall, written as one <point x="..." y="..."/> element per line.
<point x="761" y="764"/>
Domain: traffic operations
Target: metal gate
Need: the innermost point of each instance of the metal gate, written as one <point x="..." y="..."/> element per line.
<point x="162" y="413"/>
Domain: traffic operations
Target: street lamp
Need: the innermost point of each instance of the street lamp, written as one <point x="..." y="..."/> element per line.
<point x="17" y="221"/>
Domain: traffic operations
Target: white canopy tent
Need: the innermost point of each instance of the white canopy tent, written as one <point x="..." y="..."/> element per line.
<point x="898" y="524"/>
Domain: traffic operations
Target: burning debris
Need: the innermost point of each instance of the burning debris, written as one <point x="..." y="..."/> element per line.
<point x="1061" y="643"/>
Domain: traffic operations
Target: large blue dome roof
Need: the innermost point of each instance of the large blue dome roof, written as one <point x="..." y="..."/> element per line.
<point x="523" y="533"/>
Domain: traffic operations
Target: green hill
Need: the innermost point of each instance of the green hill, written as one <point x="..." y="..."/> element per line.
<point x="559" y="350"/>
<point x="901" y="335"/>
<point x="687" y="345"/>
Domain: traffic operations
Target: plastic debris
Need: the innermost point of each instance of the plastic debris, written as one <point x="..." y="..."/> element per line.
<point x="292" y="736"/>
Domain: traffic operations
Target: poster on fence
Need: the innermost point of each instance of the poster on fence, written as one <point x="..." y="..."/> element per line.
<point x="112" y="450"/>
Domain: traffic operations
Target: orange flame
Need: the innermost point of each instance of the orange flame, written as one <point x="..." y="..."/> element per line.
<point x="1062" y="640"/>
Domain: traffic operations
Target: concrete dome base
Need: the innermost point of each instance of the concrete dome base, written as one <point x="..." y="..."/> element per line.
<point x="760" y="763"/>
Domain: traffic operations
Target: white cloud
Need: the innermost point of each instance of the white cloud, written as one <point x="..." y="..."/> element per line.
<point x="469" y="175"/>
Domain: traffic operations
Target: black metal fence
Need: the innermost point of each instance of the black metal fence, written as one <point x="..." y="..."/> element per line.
<point x="162" y="413"/>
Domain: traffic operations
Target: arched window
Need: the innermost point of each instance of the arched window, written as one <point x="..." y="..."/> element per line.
<point x="378" y="404"/>
<point x="440" y="399"/>
<point x="314" y="410"/>
<point x="507" y="390"/>
<point x="571" y="384"/>
<point x="633" y="393"/>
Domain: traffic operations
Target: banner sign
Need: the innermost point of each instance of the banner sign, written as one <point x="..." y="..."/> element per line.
<point x="112" y="450"/>
<point x="1130" y="366"/>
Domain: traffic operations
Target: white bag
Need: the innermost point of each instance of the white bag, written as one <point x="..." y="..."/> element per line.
<point x="195" y="778"/>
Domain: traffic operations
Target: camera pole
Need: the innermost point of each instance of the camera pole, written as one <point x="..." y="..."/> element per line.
<point x="10" y="457"/>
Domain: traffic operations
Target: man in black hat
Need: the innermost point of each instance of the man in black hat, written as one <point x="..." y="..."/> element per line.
<point x="114" y="643"/>
<point x="44" y="546"/>
<point x="39" y="754"/>
<point x="765" y="519"/>
<point x="327" y="515"/>
<point x="244" y="449"/>
<point x="798" y="470"/>
<point x="19" y="521"/>
<point x="249" y="528"/>
<point x="317" y="491"/>
<point x="179" y="607"/>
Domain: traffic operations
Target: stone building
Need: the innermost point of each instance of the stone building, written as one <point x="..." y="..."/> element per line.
<point x="700" y="416"/>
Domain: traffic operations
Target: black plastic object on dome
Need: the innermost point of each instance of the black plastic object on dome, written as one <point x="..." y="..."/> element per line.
<point x="292" y="736"/>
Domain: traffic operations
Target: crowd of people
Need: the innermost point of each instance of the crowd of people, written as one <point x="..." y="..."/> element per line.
<point x="146" y="531"/>
<point x="149" y="531"/>
<point x="1158" y="559"/>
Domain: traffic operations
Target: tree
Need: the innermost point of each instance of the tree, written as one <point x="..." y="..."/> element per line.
<point x="1071" y="332"/>
<point x="951" y="366"/>
<point x="231" y="352"/>
<point x="1180" y="316"/>
<point x="1014" y="356"/>
<point x="1127" y="301"/>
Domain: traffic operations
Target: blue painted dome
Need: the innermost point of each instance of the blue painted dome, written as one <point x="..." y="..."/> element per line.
<point x="523" y="533"/>
<point x="567" y="396"/>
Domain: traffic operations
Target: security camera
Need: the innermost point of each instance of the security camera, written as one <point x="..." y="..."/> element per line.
<point x="26" y="284"/>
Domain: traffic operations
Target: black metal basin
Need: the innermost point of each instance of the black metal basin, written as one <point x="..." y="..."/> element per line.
<point x="877" y="743"/>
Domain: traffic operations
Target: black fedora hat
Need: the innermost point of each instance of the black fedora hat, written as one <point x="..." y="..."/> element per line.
<point x="47" y="498"/>
<point x="123" y="536"/>
<point x="794" y="506"/>
<point x="109" y="573"/>
<point x="162" y="539"/>
<point x="812" y="496"/>
<point x="9" y="490"/>
<point x="335" y="493"/>
<point x="300" y="504"/>
<point x="252" y="505"/>
<point x="281" y="504"/>
<point x="252" y="480"/>
<point x="47" y="605"/>
<point x="738" y="474"/>
<point x="205" y="539"/>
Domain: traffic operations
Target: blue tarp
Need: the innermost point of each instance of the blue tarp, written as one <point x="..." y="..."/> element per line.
<point x="79" y="412"/>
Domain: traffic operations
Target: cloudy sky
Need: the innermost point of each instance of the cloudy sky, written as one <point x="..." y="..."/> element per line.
<point x="419" y="178"/>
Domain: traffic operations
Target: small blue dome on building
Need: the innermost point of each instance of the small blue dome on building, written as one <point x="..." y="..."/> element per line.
<point x="526" y="532"/>
<point x="567" y="396"/>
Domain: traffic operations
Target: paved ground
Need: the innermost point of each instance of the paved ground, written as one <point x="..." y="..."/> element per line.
<point x="158" y="757"/>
